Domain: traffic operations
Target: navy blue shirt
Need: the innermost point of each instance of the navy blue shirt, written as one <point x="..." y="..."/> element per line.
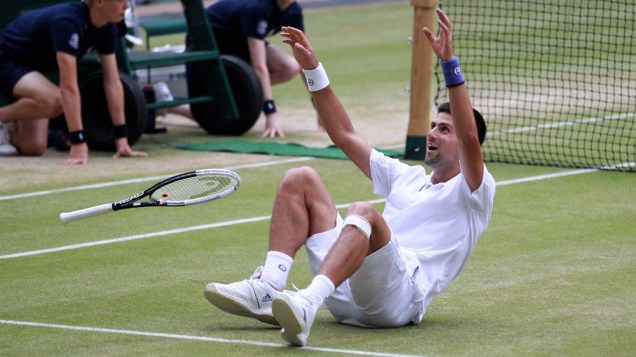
<point x="35" y="36"/>
<point x="254" y="18"/>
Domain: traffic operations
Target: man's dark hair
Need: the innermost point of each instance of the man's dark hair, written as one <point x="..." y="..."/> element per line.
<point x="479" y="120"/>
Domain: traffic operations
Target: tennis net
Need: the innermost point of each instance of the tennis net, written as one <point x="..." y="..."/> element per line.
<point x="555" y="80"/>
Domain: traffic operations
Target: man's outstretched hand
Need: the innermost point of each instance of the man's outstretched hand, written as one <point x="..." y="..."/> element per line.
<point x="303" y="52"/>
<point x="442" y="44"/>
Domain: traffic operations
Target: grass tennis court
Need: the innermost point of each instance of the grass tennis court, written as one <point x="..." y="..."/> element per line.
<point x="553" y="275"/>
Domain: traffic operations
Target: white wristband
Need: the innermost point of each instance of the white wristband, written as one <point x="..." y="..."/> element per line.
<point x="316" y="78"/>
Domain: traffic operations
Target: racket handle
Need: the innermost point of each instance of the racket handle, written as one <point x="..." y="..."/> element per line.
<point x="66" y="217"/>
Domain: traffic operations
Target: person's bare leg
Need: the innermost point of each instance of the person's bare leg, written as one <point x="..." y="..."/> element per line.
<point x="183" y="110"/>
<point x="303" y="207"/>
<point x="38" y="100"/>
<point x="349" y="251"/>
<point x="296" y="311"/>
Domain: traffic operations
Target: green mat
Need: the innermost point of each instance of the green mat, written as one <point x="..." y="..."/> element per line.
<point x="269" y="148"/>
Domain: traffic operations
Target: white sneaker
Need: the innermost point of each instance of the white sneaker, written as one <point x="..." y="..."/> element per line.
<point x="251" y="298"/>
<point x="6" y="149"/>
<point x="162" y="94"/>
<point x="296" y="313"/>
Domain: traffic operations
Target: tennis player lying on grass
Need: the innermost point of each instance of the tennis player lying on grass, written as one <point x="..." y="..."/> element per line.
<point x="55" y="38"/>
<point x="372" y="269"/>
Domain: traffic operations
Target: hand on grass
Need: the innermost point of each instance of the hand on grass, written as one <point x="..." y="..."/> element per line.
<point x="78" y="155"/>
<point x="272" y="127"/>
<point x="124" y="149"/>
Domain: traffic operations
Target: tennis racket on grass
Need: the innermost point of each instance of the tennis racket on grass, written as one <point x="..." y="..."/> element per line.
<point x="180" y="190"/>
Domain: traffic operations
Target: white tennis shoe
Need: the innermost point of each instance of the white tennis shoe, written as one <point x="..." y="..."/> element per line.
<point x="6" y="149"/>
<point x="295" y="312"/>
<point x="250" y="298"/>
<point x="162" y="94"/>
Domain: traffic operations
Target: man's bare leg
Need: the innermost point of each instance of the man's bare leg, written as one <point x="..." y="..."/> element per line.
<point x="27" y="118"/>
<point x="302" y="208"/>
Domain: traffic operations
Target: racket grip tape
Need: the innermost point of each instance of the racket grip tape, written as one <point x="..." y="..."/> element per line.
<point x="66" y="217"/>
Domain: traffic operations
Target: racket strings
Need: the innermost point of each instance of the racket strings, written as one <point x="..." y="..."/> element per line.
<point x="197" y="188"/>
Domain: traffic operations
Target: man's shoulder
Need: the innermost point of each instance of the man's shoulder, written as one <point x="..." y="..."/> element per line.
<point x="51" y="14"/>
<point x="75" y="11"/>
<point x="65" y="16"/>
<point x="241" y="7"/>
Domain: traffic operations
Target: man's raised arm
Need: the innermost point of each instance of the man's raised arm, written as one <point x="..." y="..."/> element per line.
<point x="329" y="108"/>
<point x="470" y="155"/>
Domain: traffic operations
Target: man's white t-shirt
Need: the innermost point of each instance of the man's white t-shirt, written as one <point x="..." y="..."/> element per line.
<point x="436" y="225"/>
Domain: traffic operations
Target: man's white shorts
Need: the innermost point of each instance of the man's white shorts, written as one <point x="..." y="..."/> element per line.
<point x="382" y="293"/>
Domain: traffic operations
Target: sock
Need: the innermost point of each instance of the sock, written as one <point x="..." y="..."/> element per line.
<point x="320" y="286"/>
<point x="276" y="269"/>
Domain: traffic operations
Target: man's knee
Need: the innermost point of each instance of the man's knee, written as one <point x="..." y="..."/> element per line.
<point x="300" y="175"/>
<point x="364" y="210"/>
<point x="369" y="221"/>
<point x="32" y="148"/>
<point x="305" y="183"/>
<point x="30" y="137"/>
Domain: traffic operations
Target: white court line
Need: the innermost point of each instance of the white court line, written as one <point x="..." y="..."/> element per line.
<point x="195" y="338"/>
<point x="141" y="179"/>
<point x="135" y="237"/>
<point x="545" y="177"/>
<point x="563" y="123"/>
<point x="247" y="220"/>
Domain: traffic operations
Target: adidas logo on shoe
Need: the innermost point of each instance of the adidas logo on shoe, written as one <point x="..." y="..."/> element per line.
<point x="266" y="298"/>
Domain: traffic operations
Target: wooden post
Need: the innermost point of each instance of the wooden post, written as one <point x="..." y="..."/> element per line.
<point x="421" y="78"/>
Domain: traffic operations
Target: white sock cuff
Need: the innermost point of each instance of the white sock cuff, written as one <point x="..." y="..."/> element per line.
<point x="280" y="256"/>
<point x="321" y="286"/>
<point x="360" y="223"/>
<point x="325" y="280"/>
<point x="276" y="269"/>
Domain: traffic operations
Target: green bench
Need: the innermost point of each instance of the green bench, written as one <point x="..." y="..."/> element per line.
<point x="161" y="25"/>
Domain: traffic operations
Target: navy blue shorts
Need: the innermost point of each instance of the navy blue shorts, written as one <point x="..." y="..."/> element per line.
<point x="10" y="73"/>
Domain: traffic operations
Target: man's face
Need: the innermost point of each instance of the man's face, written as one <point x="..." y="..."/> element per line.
<point x="441" y="141"/>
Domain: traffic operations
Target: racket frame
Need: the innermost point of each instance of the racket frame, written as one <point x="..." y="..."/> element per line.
<point x="134" y="200"/>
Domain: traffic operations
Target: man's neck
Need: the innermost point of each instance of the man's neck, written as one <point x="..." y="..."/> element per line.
<point x="284" y="4"/>
<point x="443" y="175"/>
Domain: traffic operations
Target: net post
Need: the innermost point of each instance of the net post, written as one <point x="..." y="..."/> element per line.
<point x="421" y="73"/>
